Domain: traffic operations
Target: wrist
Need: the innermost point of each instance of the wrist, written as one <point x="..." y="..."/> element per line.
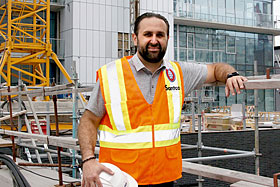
<point x="233" y="74"/>
<point x="88" y="159"/>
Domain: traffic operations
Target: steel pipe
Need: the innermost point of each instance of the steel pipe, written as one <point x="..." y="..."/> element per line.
<point x="41" y="113"/>
<point x="224" y="150"/>
<point x="188" y="147"/>
<point x="12" y="125"/>
<point x="44" y="165"/>
<point x="223" y="157"/>
<point x="57" y="134"/>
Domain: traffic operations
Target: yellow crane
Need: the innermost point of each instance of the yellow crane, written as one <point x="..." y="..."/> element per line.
<point x="25" y="42"/>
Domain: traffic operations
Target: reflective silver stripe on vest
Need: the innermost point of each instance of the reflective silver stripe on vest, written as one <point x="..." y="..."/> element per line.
<point x="115" y="95"/>
<point x="138" y="137"/>
<point x="163" y="135"/>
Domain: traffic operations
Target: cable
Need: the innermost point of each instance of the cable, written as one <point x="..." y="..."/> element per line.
<point x="45" y="176"/>
<point x="18" y="176"/>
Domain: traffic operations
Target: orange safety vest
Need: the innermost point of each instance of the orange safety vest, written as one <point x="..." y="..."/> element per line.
<point x="142" y="139"/>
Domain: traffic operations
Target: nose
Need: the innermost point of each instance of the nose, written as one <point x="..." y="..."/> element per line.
<point x="154" y="39"/>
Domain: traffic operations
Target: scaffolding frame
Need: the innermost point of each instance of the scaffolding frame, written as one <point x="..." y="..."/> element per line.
<point x="270" y="83"/>
<point x="73" y="142"/>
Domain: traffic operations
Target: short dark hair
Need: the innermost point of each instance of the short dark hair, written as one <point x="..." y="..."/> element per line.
<point x="149" y="15"/>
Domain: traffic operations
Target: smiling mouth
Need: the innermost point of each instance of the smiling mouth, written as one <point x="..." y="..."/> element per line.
<point x="155" y="49"/>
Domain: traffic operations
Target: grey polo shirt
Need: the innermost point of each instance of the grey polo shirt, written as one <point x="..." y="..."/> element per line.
<point x="194" y="76"/>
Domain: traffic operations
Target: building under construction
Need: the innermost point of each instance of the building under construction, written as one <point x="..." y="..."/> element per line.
<point x="50" y="52"/>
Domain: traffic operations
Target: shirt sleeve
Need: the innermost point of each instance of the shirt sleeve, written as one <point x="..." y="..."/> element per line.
<point x="96" y="101"/>
<point x="194" y="75"/>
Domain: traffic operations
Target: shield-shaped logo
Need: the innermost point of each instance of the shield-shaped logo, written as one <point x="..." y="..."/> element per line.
<point x="170" y="75"/>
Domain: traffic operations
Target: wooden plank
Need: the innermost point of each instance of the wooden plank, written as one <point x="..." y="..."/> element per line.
<point x="275" y="76"/>
<point x="54" y="140"/>
<point x="14" y="115"/>
<point x="262" y="84"/>
<point x="58" y="87"/>
<point x="41" y="138"/>
<point x="37" y="92"/>
<point x="84" y="89"/>
<point x="5" y="143"/>
<point x="65" y="91"/>
<point x="70" y="90"/>
<point x="69" y="146"/>
<point x="50" y="140"/>
<point x="246" y="184"/>
<point x="5" y="90"/>
<point x="224" y="174"/>
<point x="43" y="92"/>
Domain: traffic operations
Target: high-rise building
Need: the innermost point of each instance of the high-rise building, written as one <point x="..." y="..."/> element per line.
<point x="238" y="32"/>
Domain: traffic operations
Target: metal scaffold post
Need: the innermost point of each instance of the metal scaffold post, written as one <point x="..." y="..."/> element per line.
<point x="74" y="116"/>
<point x="199" y="139"/>
<point x="193" y="112"/>
<point x="257" y="143"/>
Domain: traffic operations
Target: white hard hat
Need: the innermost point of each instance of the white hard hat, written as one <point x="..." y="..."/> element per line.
<point x="119" y="179"/>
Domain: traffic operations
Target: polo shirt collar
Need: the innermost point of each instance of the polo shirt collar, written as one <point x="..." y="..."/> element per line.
<point x="136" y="62"/>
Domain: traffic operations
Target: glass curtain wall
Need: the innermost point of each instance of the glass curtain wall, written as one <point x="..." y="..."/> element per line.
<point x="202" y="45"/>
<point x="241" y="12"/>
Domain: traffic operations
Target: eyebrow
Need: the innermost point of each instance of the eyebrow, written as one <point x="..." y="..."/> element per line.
<point x="159" y="32"/>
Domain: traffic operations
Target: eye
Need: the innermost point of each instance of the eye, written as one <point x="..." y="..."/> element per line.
<point x="148" y="34"/>
<point x="160" y="35"/>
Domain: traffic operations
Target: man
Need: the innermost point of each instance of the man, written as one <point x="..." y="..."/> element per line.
<point x="136" y="105"/>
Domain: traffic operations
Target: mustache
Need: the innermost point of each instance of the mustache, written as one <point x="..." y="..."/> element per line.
<point x="153" y="45"/>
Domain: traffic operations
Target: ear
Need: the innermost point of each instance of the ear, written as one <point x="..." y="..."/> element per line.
<point x="134" y="37"/>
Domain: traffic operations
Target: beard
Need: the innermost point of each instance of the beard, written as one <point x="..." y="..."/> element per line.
<point x="152" y="57"/>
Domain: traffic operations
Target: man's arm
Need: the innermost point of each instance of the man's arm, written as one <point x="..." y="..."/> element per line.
<point x="219" y="72"/>
<point x="87" y="134"/>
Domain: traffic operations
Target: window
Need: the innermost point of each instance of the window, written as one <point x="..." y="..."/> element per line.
<point x="123" y="44"/>
<point x="230" y="45"/>
<point x="190" y="42"/>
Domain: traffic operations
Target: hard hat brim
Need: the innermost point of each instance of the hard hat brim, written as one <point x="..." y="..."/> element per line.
<point x="131" y="181"/>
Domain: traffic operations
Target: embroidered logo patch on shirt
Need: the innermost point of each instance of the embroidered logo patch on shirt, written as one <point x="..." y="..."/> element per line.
<point x="170" y="75"/>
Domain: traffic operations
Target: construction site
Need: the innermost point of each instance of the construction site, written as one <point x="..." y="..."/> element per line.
<point x="50" y="52"/>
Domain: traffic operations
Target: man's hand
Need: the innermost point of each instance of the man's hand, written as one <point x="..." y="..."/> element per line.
<point x="91" y="171"/>
<point x="233" y="84"/>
